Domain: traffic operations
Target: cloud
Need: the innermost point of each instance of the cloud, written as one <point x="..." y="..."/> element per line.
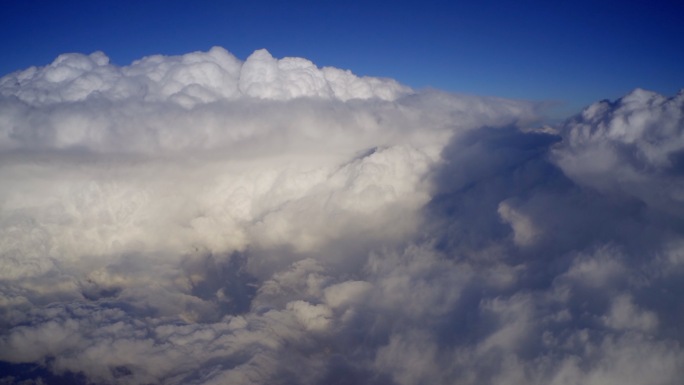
<point x="201" y="220"/>
<point x="626" y="145"/>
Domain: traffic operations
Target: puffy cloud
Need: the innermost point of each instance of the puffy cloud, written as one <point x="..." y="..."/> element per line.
<point x="191" y="79"/>
<point x="624" y="315"/>
<point x="524" y="231"/>
<point x="629" y="146"/>
<point x="202" y="220"/>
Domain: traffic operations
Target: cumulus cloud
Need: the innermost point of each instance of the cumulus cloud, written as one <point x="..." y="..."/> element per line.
<point x="198" y="219"/>
<point x="627" y="145"/>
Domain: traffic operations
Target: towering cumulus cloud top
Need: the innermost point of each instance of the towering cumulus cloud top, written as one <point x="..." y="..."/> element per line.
<point x="634" y="145"/>
<point x="196" y="219"/>
<point x="198" y="77"/>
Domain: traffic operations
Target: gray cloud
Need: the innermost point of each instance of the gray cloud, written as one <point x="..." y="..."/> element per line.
<point x="202" y="220"/>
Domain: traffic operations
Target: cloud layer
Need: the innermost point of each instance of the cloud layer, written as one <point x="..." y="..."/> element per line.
<point x="202" y="220"/>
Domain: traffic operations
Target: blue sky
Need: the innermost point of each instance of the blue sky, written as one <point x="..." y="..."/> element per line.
<point x="570" y="52"/>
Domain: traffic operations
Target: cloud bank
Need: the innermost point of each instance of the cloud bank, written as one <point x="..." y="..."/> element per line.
<point x="202" y="220"/>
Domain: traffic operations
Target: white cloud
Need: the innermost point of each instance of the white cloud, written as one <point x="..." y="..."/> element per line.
<point x="201" y="220"/>
<point x="313" y="317"/>
<point x="346" y="293"/>
<point x="629" y="146"/>
<point x="411" y="358"/>
<point x="524" y="231"/>
<point x="625" y="315"/>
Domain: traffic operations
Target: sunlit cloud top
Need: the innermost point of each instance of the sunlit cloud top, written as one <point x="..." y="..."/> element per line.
<point x="567" y="53"/>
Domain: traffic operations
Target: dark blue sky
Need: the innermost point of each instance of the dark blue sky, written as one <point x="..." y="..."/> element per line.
<point x="570" y="51"/>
